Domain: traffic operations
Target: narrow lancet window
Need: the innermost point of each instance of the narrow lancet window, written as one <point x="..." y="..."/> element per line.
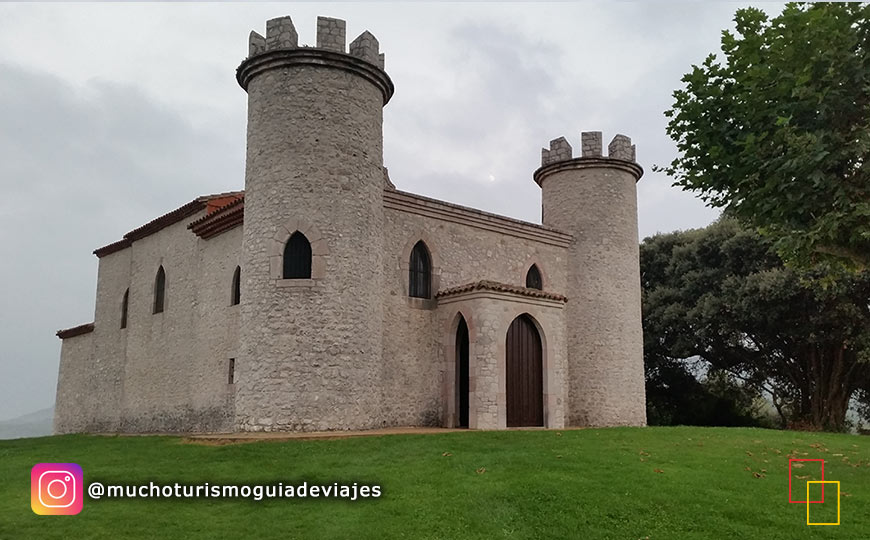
<point x="159" y="290"/>
<point x="124" y="305"/>
<point x="237" y="287"/>
<point x="420" y="273"/>
<point x="297" y="257"/>
<point x="533" y="278"/>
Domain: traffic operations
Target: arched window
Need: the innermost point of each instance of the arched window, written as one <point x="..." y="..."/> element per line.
<point x="533" y="278"/>
<point x="297" y="257"/>
<point x="159" y="290"/>
<point x="237" y="287"/>
<point x="420" y="272"/>
<point x="124" y="303"/>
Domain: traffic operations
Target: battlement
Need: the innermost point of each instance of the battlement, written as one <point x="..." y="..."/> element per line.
<point x="281" y="34"/>
<point x="591" y="147"/>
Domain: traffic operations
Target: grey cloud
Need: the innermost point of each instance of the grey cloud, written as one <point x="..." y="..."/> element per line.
<point x="80" y="164"/>
<point x="449" y="146"/>
<point x="79" y="167"/>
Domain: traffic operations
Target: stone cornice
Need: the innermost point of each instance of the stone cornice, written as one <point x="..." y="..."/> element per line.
<point x="588" y="163"/>
<point x="433" y="208"/>
<point x="500" y="291"/>
<point x="76" y="331"/>
<point x="309" y="56"/>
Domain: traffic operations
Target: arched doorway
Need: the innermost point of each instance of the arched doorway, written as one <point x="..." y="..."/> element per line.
<point x="524" y="374"/>
<point x="462" y="373"/>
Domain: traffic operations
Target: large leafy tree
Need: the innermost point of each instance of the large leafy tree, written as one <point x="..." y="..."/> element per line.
<point x="722" y="296"/>
<point x="776" y="129"/>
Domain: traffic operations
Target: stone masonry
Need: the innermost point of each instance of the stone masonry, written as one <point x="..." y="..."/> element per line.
<point x="348" y="347"/>
<point x="605" y="338"/>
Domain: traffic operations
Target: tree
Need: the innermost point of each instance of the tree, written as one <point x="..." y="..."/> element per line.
<point x="675" y="396"/>
<point x="778" y="132"/>
<point x="723" y="296"/>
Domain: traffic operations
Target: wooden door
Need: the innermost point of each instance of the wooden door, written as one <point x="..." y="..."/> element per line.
<point x="524" y="374"/>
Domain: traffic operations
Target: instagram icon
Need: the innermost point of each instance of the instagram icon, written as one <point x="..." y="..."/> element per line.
<point x="56" y="489"/>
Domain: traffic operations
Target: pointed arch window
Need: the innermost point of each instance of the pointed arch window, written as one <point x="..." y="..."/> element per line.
<point x="236" y="295"/>
<point x="533" y="278"/>
<point x="420" y="272"/>
<point x="297" y="257"/>
<point x="159" y="290"/>
<point x="124" y="305"/>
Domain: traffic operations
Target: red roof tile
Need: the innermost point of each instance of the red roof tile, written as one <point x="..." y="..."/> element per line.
<point x="217" y="203"/>
<point x="501" y="287"/>
<point x="220" y="220"/>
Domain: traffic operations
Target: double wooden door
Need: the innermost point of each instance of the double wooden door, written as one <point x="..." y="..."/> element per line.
<point x="524" y="374"/>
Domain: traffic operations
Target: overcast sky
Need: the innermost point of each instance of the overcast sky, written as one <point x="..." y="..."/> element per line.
<point x="112" y="114"/>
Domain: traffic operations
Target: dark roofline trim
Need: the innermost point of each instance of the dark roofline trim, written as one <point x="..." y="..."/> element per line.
<point x="482" y="213"/>
<point x="165" y="220"/>
<point x="153" y="226"/>
<point x="79" y="330"/>
<point x="112" y="248"/>
<point x="161" y="222"/>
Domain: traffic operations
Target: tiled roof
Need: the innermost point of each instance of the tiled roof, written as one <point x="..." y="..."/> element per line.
<point x="164" y="221"/>
<point x="220" y="219"/>
<point x="113" y="247"/>
<point x="501" y="287"/>
<point x="217" y="202"/>
<point x="76" y="331"/>
<point x="225" y="211"/>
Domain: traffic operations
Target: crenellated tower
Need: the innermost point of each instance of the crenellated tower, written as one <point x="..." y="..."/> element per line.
<point x="311" y="347"/>
<point x="594" y="197"/>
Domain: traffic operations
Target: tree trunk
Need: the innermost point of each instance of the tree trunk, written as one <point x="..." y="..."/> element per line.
<point x="827" y="387"/>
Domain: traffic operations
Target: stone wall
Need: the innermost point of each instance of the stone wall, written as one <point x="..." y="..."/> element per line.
<point x="489" y="315"/>
<point x="157" y="374"/>
<point x="169" y="371"/>
<point x="172" y="380"/>
<point x="91" y="374"/>
<point x="165" y="371"/>
<point x="216" y="332"/>
<point x="465" y="245"/>
<point x="77" y="406"/>
<point x="348" y="348"/>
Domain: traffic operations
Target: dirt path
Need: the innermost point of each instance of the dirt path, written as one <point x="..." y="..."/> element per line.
<point x="251" y="436"/>
<point x="254" y="436"/>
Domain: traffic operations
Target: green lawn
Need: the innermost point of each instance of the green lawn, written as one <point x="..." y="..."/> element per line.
<point x="626" y="483"/>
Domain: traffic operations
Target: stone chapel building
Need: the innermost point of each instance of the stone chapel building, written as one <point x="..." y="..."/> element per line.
<point x="323" y="298"/>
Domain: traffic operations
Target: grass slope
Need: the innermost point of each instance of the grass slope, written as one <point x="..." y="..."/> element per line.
<point x="593" y="483"/>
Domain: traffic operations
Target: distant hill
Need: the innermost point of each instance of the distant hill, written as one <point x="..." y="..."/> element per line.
<point x="35" y="424"/>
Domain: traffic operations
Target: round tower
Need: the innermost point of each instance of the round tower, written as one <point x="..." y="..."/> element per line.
<point x="594" y="198"/>
<point x="310" y="337"/>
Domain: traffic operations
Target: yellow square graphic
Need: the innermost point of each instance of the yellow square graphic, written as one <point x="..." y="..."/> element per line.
<point x="808" y="499"/>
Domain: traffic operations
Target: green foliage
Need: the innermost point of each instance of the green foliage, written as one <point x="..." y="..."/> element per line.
<point x="776" y="129"/>
<point x="675" y="397"/>
<point x="721" y="295"/>
<point x="617" y="483"/>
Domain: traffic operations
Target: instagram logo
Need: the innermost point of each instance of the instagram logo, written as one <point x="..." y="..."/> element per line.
<point x="56" y="489"/>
